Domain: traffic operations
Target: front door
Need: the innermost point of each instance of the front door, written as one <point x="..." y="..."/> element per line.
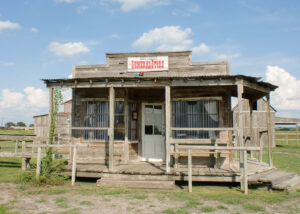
<point x="153" y="148"/>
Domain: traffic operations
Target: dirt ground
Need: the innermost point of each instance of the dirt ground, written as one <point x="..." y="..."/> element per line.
<point x="81" y="199"/>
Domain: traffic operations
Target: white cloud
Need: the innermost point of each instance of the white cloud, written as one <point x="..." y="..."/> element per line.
<point x="114" y="36"/>
<point x="201" y="49"/>
<point x="228" y="56"/>
<point x="34" y="30"/>
<point x="168" y="38"/>
<point x="66" y="1"/>
<point x="36" y="97"/>
<point x="81" y="9"/>
<point x="10" y="98"/>
<point x="193" y="8"/>
<point x="287" y="96"/>
<point x="8" y="25"/>
<point x="68" y="49"/>
<point x="129" y="5"/>
<point x="6" y="64"/>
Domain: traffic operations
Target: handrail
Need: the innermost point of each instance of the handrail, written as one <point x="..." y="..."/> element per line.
<point x="89" y="128"/>
<point x="204" y="129"/>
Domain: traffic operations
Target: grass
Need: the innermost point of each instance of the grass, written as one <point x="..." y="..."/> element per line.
<point x="254" y="207"/>
<point x="8" y="131"/>
<point x="10" y="168"/>
<point x="4" y="209"/>
<point x="207" y="209"/>
<point x="176" y="211"/>
<point x="61" y="202"/>
<point x="71" y="211"/>
<point x="86" y="203"/>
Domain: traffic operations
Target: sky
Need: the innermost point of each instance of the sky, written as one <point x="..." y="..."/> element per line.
<point x="44" y="39"/>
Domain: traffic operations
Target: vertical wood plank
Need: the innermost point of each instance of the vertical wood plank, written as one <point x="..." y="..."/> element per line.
<point x="51" y="90"/>
<point x="296" y="134"/>
<point x="270" y="141"/>
<point x="38" y="162"/>
<point x="251" y="126"/>
<point x="126" y="115"/>
<point x="240" y="128"/>
<point x="260" y="146"/>
<point x="23" y="159"/>
<point x="111" y="127"/>
<point x="168" y="125"/>
<point x="74" y="165"/>
<point x="16" y="146"/>
<point x="190" y="170"/>
<point x="245" y="174"/>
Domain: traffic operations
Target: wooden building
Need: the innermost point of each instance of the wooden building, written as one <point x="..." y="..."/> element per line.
<point x="140" y="114"/>
<point x="259" y="121"/>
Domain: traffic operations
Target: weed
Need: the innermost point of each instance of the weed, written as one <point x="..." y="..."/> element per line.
<point x="208" y="209"/>
<point x="60" y="200"/>
<point x="86" y="203"/>
<point x="72" y="211"/>
<point x="4" y="209"/>
<point x="42" y="200"/>
<point x="193" y="203"/>
<point x="177" y="211"/>
<point x="254" y="207"/>
<point x="57" y="191"/>
<point x="222" y="207"/>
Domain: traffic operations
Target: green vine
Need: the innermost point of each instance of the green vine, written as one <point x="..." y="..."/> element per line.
<point x="47" y="161"/>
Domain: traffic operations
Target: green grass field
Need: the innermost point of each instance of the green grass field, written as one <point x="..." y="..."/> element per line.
<point x="225" y="198"/>
<point x="16" y="131"/>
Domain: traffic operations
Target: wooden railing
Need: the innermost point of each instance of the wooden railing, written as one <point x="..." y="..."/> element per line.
<point x="286" y="137"/>
<point x="243" y="173"/>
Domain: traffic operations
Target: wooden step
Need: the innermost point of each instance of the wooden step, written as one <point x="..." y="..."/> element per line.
<point x="135" y="184"/>
<point x="288" y="184"/>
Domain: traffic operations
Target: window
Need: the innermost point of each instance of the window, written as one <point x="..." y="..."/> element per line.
<point x="96" y="115"/>
<point x="132" y="122"/>
<point x="195" y="114"/>
<point x="119" y="132"/>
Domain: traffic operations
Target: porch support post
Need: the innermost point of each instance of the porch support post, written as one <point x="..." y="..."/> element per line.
<point x="126" y="145"/>
<point x="270" y="140"/>
<point x="297" y="134"/>
<point x="51" y="90"/>
<point x="168" y="125"/>
<point x="240" y="131"/>
<point x="111" y="128"/>
<point x="251" y="126"/>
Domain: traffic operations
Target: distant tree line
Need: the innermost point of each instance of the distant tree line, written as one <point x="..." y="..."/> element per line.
<point x="19" y="124"/>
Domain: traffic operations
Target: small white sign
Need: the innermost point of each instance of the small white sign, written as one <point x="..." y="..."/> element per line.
<point x="151" y="63"/>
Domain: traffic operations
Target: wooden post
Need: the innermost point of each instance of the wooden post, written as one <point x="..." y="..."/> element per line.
<point x="261" y="151"/>
<point x="251" y="127"/>
<point x="74" y="165"/>
<point x="190" y="170"/>
<point x="240" y="128"/>
<point x="126" y="115"/>
<point x="296" y="134"/>
<point x="111" y="127"/>
<point x="168" y="125"/>
<point x="270" y="142"/>
<point x="51" y="90"/>
<point x="245" y="174"/>
<point x="16" y="146"/>
<point x="38" y="162"/>
<point x="23" y="158"/>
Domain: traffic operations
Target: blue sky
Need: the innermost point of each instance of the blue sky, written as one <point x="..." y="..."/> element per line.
<point x="44" y="39"/>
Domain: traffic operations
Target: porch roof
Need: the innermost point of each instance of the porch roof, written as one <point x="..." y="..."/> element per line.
<point x="254" y="88"/>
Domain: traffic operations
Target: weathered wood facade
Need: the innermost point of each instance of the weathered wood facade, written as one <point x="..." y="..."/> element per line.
<point x="158" y="116"/>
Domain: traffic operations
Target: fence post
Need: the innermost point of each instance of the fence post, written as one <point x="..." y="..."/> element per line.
<point x="245" y="173"/>
<point x="23" y="158"/>
<point x="74" y="165"/>
<point x="190" y="170"/>
<point x="16" y="146"/>
<point x="38" y="162"/>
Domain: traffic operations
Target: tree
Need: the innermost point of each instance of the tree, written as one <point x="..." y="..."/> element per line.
<point x="10" y="124"/>
<point x="21" y="124"/>
<point x="31" y="125"/>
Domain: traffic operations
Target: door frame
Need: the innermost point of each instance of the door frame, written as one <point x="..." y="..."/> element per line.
<point x="143" y="129"/>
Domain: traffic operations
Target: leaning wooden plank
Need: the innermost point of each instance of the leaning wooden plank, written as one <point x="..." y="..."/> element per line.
<point x="288" y="184"/>
<point x="136" y="184"/>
